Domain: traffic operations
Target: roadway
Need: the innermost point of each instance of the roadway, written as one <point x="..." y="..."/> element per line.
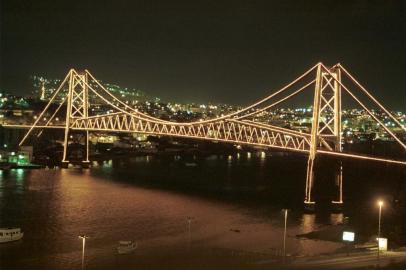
<point x="353" y="260"/>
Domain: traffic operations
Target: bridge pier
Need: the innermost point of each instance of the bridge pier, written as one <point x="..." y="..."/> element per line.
<point x="309" y="206"/>
<point x="337" y="206"/>
<point x="84" y="164"/>
<point x="65" y="164"/>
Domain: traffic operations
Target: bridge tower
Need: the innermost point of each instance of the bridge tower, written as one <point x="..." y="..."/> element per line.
<point x="326" y="123"/>
<point x="77" y="101"/>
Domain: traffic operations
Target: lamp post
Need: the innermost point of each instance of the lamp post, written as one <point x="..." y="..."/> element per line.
<point x="189" y="221"/>
<point x="380" y="203"/>
<point x="284" y="234"/>
<point x="83" y="237"/>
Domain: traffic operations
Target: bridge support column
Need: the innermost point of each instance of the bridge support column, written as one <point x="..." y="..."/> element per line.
<point x="86" y="162"/>
<point x="337" y="203"/>
<point x="77" y="107"/>
<point x="326" y="129"/>
<point x="308" y="202"/>
<point x="65" y="161"/>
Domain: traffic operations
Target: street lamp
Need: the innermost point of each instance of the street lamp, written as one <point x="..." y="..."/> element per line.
<point x="284" y="234"/>
<point x="189" y="221"/>
<point x="380" y="203"/>
<point x="83" y="237"/>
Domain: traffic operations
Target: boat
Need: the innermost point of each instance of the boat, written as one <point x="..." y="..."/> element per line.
<point x="126" y="247"/>
<point x="10" y="234"/>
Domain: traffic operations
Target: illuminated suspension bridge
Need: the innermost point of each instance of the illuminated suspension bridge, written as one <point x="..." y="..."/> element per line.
<point x="81" y="91"/>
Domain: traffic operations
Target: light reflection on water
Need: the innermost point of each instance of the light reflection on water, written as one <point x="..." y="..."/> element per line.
<point x="308" y="223"/>
<point x="54" y="206"/>
<point x="336" y="218"/>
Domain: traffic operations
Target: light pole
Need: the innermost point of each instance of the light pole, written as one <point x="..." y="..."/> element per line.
<point x="189" y="221"/>
<point x="83" y="237"/>
<point x="380" y="203"/>
<point x="284" y="235"/>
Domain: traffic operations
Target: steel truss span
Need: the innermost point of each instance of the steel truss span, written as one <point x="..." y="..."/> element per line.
<point x="81" y="93"/>
<point x="232" y="131"/>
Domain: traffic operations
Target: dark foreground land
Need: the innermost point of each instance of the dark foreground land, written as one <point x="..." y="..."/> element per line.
<point x="217" y="259"/>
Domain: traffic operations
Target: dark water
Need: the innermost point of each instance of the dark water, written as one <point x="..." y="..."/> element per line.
<point x="234" y="201"/>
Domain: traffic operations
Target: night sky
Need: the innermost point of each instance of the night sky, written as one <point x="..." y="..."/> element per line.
<point x="219" y="51"/>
